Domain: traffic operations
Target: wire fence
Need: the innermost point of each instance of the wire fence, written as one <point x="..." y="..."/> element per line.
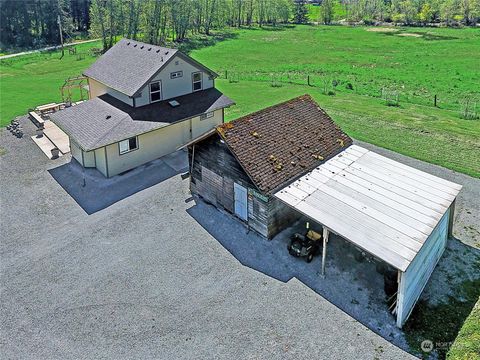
<point x="467" y="106"/>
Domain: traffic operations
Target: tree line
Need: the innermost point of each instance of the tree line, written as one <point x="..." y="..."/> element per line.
<point x="34" y="23"/>
<point x="406" y="12"/>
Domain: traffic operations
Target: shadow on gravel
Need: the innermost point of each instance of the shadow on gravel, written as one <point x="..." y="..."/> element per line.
<point x="93" y="192"/>
<point x="355" y="286"/>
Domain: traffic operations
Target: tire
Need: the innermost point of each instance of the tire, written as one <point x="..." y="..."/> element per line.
<point x="309" y="257"/>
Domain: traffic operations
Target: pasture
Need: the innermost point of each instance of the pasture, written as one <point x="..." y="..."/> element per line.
<point x="259" y="67"/>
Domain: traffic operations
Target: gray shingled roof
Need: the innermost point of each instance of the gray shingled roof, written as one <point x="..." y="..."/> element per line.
<point x="129" y="65"/>
<point x="105" y="120"/>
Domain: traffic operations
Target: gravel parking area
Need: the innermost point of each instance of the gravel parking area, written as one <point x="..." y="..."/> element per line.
<point x="149" y="274"/>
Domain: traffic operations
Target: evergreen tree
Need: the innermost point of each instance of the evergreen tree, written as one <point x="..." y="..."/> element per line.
<point x="300" y="12"/>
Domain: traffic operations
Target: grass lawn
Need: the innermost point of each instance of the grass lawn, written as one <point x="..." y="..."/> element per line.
<point x="434" y="135"/>
<point x="35" y="79"/>
<point x="434" y="61"/>
<point x="418" y="63"/>
<point x="467" y="343"/>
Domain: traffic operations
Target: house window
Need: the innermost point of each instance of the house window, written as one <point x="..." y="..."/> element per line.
<point x="155" y="91"/>
<point x="176" y="74"/>
<point x="128" y="145"/>
<point x="197" y="81"/>
<point x="206" y="115"/>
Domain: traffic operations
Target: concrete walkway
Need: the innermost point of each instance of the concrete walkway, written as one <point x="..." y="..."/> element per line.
<point x="53" y="137"/>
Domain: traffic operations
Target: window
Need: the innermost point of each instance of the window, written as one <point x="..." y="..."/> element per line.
<point x="155" y="91"/>
<point x="197" y="81"/>
<point x="128" y="145"/>
<point x="206" y="115"/>
<point x="176" y="74"/>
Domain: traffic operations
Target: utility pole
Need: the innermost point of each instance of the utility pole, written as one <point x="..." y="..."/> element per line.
<point x="61" y="35"/>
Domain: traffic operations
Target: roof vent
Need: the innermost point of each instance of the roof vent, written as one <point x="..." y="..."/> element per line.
<point x="157" y="51"/>
<point x="166" y="53"/>
<point x="128" y="43"/>
<point x="135" y="45"/>
<point x="108" y="117"/>
<point x="141" y="47"/>
<point x="174" y="103"/>
<point x="149" y="49"/>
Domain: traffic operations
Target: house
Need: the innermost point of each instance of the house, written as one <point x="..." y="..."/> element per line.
<point x="145" y="102"/>
<point x="291" y="160"/>
<point x="239" y="165"/>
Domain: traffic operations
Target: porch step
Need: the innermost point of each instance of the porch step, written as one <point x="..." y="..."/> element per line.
<point x="57" y="136"/>
<point x="45" y="145"/>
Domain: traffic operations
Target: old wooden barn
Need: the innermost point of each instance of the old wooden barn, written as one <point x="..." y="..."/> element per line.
<point x="291" y="160"/>
<point x="240" y="164"/>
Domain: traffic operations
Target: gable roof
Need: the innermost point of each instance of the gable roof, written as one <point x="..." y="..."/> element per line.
<point x="105" y="120"/>
<point x="278" y="144"/>
<point x="129" y="65"/>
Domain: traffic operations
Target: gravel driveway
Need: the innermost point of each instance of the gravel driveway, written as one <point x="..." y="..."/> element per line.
<point x="141" y="278"/>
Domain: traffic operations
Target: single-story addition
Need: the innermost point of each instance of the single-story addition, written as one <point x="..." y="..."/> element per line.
<point x="288" y="160"/>
<point x="145" y="102"/>
<point x="239" y="165"/>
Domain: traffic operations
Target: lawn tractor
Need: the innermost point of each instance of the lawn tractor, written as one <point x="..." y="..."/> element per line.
<point x="307" y="245"/>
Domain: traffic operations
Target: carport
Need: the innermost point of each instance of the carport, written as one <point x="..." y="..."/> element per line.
<point x="396" y="213"/>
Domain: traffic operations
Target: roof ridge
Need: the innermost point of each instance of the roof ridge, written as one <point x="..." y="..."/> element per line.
<point x="271" y="107"/>
<point x="146" y="44"/>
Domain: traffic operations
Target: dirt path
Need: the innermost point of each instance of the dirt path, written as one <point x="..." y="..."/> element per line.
<point x="45" y="49"/>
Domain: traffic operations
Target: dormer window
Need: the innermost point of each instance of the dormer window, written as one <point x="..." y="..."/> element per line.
<point x="197" y="81"/>
<point x="155" y="91"/>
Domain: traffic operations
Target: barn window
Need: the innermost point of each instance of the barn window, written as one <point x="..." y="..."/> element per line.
<point x="155" y="91"/>
<point x="206" y="115"/>
<point x="128" y="145"/>
<point x="176" y="74"/>
<point x="197" y="81"/>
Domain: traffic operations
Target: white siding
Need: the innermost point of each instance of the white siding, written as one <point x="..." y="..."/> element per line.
<point x="97" y="89"/>
<point x="151" y="145"/>
<point x="100" y="161"/>
<point x="200" y="127"/>
<point x="414" y="279"/>
<point x="76" y="152"/>
<point x="174" y="87"/>
<point x="89" y="159"/>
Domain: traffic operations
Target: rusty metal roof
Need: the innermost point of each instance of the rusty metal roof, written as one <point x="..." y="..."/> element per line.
<point x="278" y="144"/>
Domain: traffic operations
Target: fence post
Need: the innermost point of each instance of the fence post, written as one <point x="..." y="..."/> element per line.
<point x="226" y="74"/>
<point x="435" y="101"/>
<point x="308" y="80"/>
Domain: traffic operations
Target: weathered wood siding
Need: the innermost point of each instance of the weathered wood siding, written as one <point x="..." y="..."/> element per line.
<point x="281" y="216"/>
<point x="413" y="281"/>
<point x="214" y="171"/>
<point x="213" y="174"/>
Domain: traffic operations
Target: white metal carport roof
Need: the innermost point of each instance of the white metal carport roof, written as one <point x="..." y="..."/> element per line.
<point x="384" y="207"/>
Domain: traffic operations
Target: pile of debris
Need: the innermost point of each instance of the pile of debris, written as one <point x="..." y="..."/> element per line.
<point x="15" y="128"/>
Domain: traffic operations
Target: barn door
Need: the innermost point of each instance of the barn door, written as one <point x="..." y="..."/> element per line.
<point x="240" y="201"/>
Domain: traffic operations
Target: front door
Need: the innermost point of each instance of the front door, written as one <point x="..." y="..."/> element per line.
<point x="240" y="201"/>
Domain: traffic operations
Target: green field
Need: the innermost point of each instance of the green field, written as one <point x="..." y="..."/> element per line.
<point x="353" y="64"/>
